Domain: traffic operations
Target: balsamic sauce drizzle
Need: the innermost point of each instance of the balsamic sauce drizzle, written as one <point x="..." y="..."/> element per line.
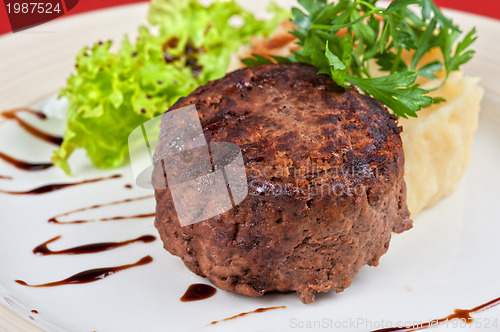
<point x="247" y="313"/>
<point x="91" y="275"/>
<point x="27" y="166"/>
<point x="84" y="276"/>
<point x="24" y="165"/>
<point x="43" y="250"/>
<point x="12" y="115"/>
<point x="146" y="215"/>
<point x="57" y="186"/>
<point x="462" y="314"/>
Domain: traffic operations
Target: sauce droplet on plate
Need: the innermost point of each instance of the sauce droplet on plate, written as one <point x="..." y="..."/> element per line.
<point x="58" y="186"/>
<point x="5" y="177"/>
<point x="197" y="292"/>
<point x="43" y="250"/>
<point x="91" y="275"/>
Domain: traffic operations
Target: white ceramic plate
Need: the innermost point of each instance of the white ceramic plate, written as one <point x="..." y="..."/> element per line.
<point x="448" y="260"/>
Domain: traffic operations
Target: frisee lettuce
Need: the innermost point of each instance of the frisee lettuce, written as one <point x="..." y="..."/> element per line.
<point x="112" y="93"/>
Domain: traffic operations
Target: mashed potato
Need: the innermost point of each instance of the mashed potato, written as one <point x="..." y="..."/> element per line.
<point x="438" y="143"/>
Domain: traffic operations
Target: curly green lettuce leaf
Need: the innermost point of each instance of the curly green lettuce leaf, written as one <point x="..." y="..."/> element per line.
<point x="112" y="93"/>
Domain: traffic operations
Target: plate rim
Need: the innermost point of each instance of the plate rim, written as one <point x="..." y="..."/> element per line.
<point x="9" y="315"/>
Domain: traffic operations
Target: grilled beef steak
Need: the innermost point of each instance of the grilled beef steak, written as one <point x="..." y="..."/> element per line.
<point x="324" y="167"/>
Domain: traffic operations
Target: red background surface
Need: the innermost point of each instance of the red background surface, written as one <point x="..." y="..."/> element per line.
<point x="489" y="8"/>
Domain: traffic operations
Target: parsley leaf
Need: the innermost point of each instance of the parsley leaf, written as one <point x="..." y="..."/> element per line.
<point x="429" y="69"/>
<point x="337" y="67"/>
<point x="396" y="91"/>
<point x="345" y="38"/>
<point x="462" y="53"/>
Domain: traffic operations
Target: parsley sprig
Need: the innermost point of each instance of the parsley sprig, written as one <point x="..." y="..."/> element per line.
<point x="344" y="38"/>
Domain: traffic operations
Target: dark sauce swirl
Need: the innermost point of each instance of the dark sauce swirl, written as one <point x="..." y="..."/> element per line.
<point x="43" y="250"/>
<point x="91" y="275"/>
<point x="24" y="165"/>
<point x="58" y="186"/>
<point x="128" y="200"/>
<point x="247" y="313"/>
<point x="13" y="115"/>
<point x="462" y="314"/>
